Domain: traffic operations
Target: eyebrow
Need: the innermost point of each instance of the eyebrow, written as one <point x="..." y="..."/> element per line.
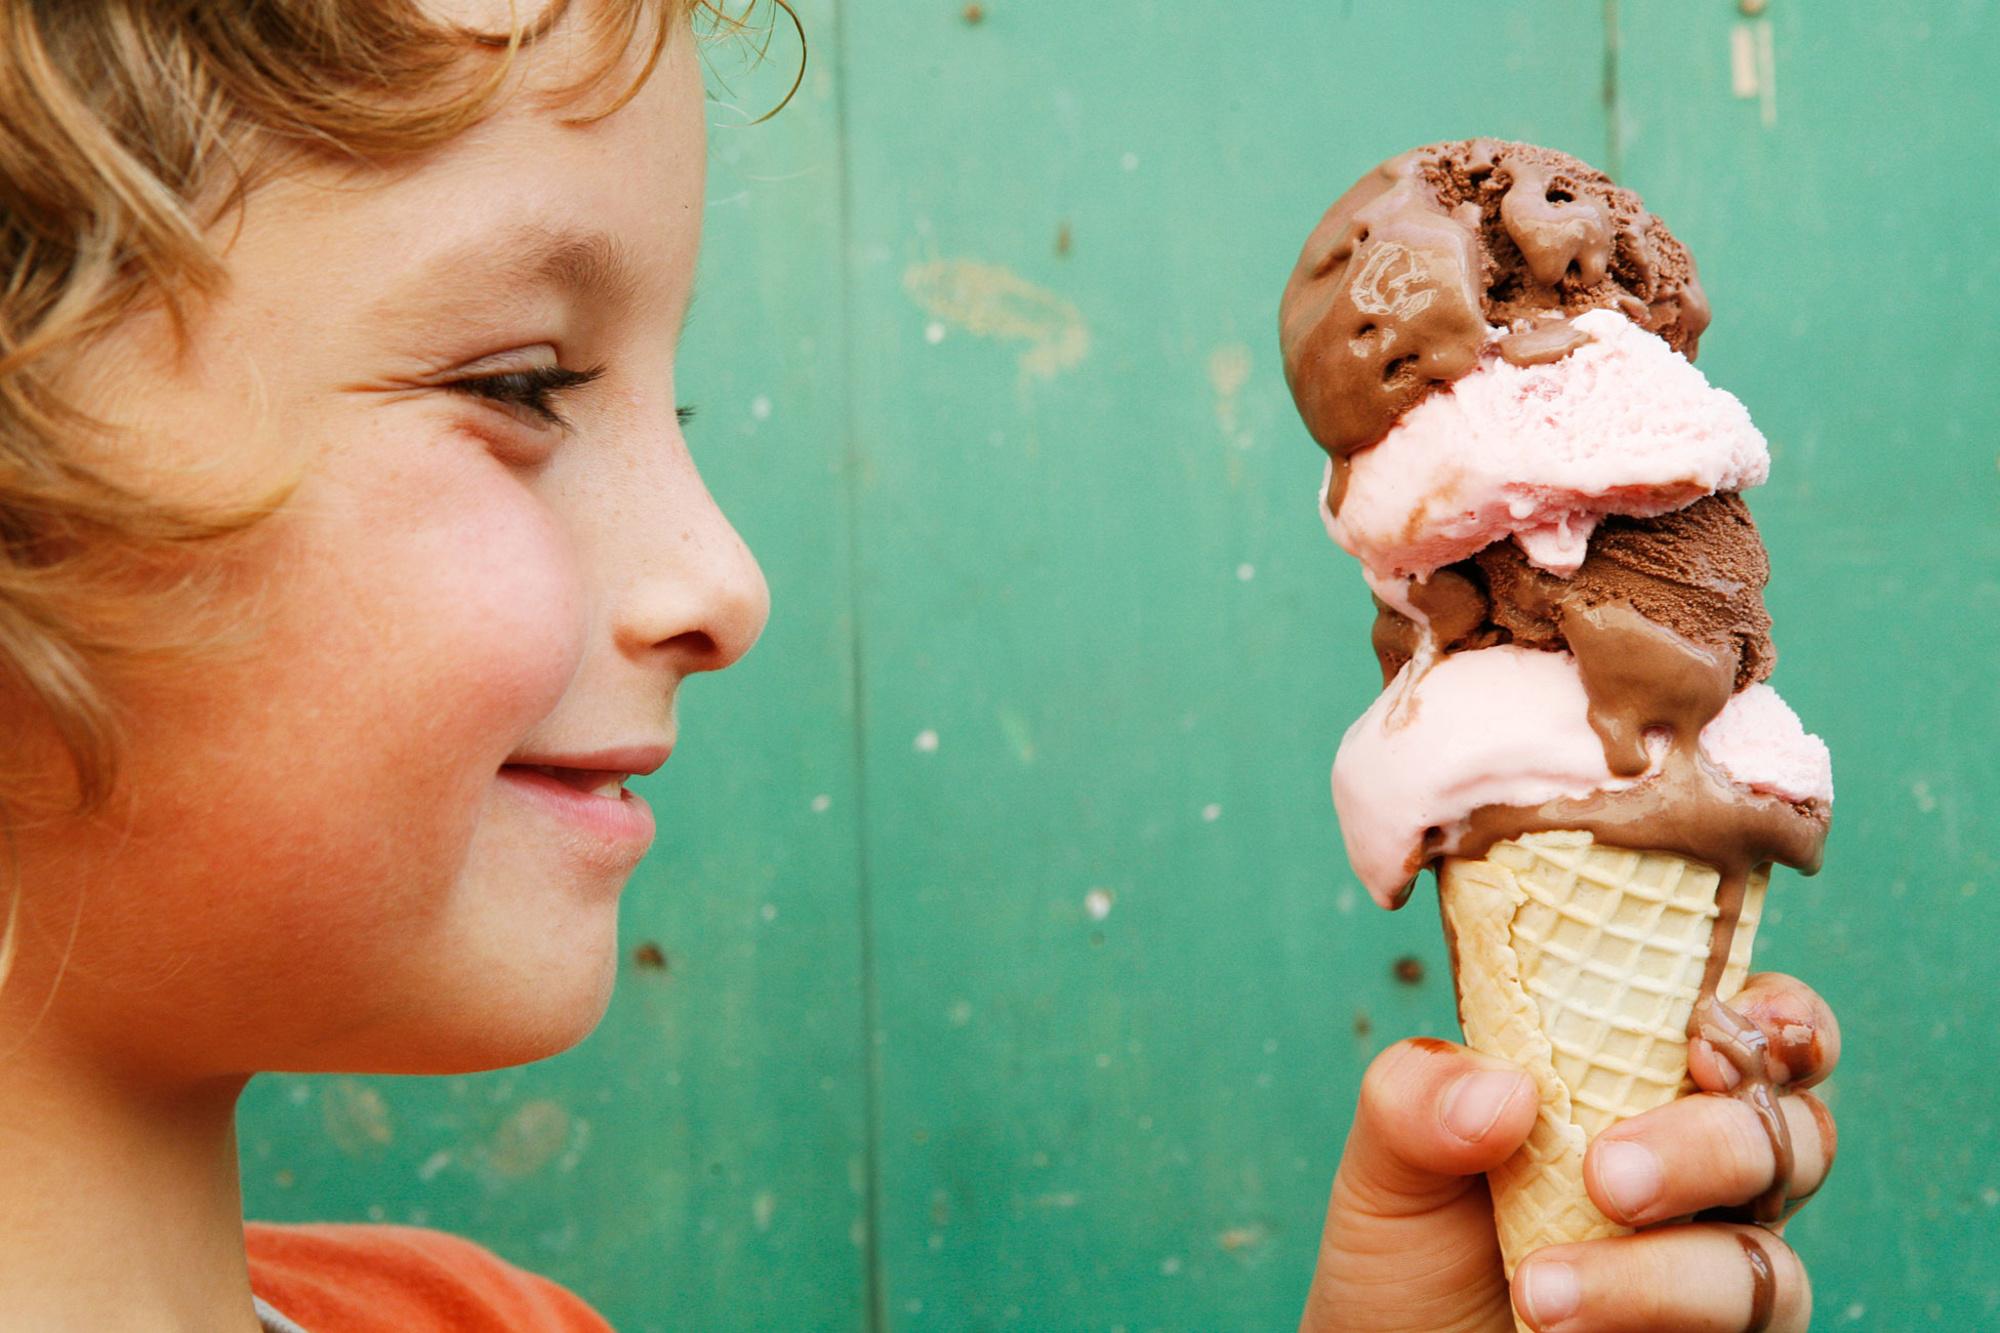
<point x="591" y="264"/>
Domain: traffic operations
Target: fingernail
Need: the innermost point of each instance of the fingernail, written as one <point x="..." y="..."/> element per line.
<point x="1475" y="1102"/>
<point x="1724" y="1067"/>
<point x="1550" y="1292"/>
<point x="1630" y="1175"/>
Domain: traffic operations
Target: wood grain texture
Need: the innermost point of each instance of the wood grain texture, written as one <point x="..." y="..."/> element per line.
<point x="1016" y="976"/>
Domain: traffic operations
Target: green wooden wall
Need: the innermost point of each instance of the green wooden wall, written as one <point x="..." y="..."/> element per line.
<point x="1014" y="977"/>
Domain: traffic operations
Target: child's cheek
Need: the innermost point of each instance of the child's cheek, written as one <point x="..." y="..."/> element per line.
<point x="505" y="620"/>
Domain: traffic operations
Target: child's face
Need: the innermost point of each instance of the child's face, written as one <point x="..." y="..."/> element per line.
<point x="320" y="860"/>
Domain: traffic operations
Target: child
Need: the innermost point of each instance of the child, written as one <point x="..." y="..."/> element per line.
<point x="351" y="557"/>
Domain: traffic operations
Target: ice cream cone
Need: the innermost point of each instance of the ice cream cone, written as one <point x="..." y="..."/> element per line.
<point x="1581" y="962"/>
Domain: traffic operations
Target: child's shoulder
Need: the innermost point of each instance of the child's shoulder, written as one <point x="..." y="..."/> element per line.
<point x="359" y="1279"/>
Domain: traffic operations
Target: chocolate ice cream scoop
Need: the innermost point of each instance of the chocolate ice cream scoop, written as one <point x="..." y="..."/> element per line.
<point x="1699" y="571"/>
<point x="1397" y="286"/>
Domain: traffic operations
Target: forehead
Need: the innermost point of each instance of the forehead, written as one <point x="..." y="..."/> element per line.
<point x="611" y="205"/>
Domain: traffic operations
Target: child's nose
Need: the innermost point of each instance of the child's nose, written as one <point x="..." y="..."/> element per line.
<point x="701" y="599"/>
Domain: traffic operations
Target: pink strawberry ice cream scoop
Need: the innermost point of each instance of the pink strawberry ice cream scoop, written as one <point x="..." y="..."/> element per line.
<point x="1622" y="424"/>
<point x="1510" y="727"/>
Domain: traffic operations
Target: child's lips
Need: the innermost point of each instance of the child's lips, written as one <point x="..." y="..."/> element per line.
<point x="608" y="783"/>
<point x="593" y="802"/>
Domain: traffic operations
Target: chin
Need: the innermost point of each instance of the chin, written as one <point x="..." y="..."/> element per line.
<point x="487" y="1009"/>
<point x="497" y="1031"/>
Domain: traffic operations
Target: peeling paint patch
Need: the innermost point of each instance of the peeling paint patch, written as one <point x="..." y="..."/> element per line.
<point x="1753" y="67"/>
<point x="1015" y="728"/>
<point x="1242" y="1238"/>
<point x="1228" y="371"/>
<point x="356" y="1118"/>
<point x="989" y="301"/>
<point x="529" y="1138"/>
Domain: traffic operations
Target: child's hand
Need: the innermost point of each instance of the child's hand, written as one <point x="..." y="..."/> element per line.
<point x="1409" y="1242"/>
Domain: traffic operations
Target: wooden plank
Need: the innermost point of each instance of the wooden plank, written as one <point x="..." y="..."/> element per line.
<point x="698" y="1163"/>
<point x="1829" y="164"/>
<point x="1107" y="649"/>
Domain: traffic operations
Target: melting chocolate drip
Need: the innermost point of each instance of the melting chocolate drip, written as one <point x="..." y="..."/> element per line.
<point x="1763" y="1283"/>
<point x="1552" y="227"/>
<point x="1541" y="344"/>
<point x="1644" y="681"/>
<point x="1743" y="1044"/>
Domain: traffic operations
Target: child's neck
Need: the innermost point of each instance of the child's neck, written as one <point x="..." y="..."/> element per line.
<point x="120" y="1205"/>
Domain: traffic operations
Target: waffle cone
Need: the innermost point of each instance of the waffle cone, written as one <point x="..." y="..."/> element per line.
<point x="1581" y="962"/>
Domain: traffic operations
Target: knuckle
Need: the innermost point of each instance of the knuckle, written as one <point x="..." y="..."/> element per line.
<point x="1802" y="1029"/>
<point x="1741" y="1147"/>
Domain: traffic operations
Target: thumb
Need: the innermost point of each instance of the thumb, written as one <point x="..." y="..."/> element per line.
<point x="1431" y="1114"/>
<point x="1409" y="1237"/>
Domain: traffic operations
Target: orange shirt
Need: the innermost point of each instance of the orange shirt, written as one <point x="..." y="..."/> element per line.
<point x="343" y="1278"/>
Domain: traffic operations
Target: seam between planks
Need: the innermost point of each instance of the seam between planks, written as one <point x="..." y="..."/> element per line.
<point x="874" y="1313"/>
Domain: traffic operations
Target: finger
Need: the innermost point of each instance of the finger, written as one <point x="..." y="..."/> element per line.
<point x="1705" y="1151"/>
<point x="1800" y="1032"/>
<point x="1692" y="1279"/>
<point x="1409" y="1230"/>
<point x="1431" y="1114"/>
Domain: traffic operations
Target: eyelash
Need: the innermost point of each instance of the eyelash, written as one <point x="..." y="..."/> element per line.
<point x="536" y="389"/>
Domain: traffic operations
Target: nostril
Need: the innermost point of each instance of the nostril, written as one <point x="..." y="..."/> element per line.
<point x="697" y="644"/>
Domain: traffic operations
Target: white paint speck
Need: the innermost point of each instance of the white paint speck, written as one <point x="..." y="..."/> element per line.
<point x="822" y="803"/>
<point x="1170" y="1265"/>
<point x="914" y="1305"/>
<point x="769" y="911"/>
<point x="960" y="1013"/>
<point x="926" y="742"/>
<point x="1990" y="1197"/>
<point x="1098" y="903"/>
<point x="1245" y="572"/>
<point x="1104" y="1059"/>
<point x="1270" y="1045"/>
<point x="1852" y="1314"/>
<point x="376" y="1212"/>
<point x="1130" y="162"/>
<point x="760" y="408"/>
<point x="433" y="1164"/>
<point x="934" y="332"/>
<point x="1344" y="902"/>
<point x="300" y="1094"/>
<point x="761" y="1209"/>
<point x="936" y="1241"/>
<point x="1210" y="813"/>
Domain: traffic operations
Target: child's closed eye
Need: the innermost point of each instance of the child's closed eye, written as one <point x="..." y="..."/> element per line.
<point x="536" y="390"/>
<point x="533" y="390"/>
